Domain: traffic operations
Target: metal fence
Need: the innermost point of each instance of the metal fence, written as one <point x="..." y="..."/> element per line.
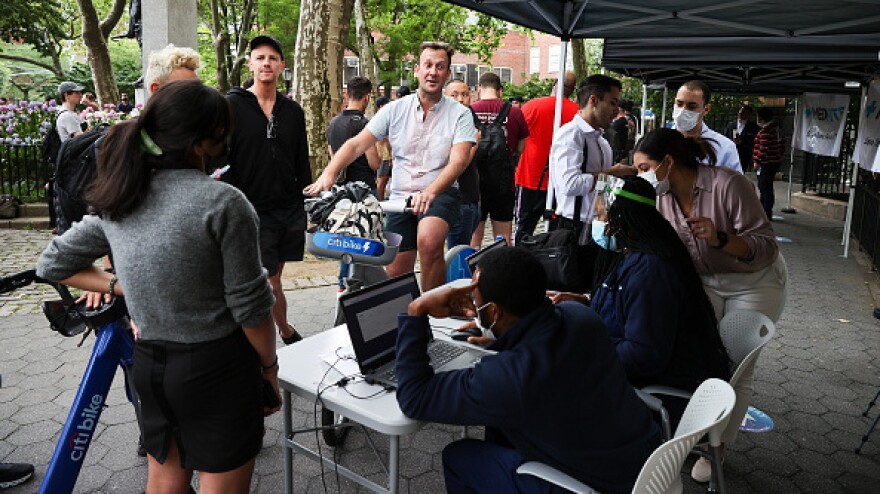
<point x="866" y="216"/>
<point x="22" y="173"/>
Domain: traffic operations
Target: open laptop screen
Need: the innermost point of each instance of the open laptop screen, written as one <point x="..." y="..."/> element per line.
<point x="371" y="316"/>
<point x="474" y="258"/>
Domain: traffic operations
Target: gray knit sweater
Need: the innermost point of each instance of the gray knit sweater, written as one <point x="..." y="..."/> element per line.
<point x="188" y="259"/>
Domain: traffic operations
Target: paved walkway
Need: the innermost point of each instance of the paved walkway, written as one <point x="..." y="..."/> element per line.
<point x="814" y="379"/>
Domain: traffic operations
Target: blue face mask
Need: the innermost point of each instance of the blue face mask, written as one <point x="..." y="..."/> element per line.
<point x="607" y="242"/>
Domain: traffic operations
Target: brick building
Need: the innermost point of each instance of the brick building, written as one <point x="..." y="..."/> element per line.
<point x="515" y="61"/>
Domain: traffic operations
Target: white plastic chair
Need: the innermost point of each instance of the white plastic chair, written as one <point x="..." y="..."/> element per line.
<point x="744" y="333"/>
<point x="707" y="412"/>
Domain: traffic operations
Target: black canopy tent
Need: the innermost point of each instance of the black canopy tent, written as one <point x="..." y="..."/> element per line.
<point x="758" y="65"/>
<point x="676" y="18"/>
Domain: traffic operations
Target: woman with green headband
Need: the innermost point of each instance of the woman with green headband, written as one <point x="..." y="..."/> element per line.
<point x="651" y="299"/>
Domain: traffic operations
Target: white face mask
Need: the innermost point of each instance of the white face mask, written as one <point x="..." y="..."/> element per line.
<point x="660" y="186"/>
<point x="685" y="120"/>
<point x="487" y="332"/>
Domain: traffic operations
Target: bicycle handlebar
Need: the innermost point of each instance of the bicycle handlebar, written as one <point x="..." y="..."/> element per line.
<point x="21" y="280"/>
<point x="101" y="316"/>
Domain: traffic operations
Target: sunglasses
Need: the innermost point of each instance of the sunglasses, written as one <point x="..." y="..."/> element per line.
<point x="271" y="127"/>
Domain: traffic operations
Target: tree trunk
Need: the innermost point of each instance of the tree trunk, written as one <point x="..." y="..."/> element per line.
<point x="311" y="84"/>
<point x="240" y="56"/>
<point x="220" y="42"/>
<point x="98" y="54"/>
<point x="337" y="40"/>
<point x="365" y="49"/>
<point x="579" y="59"/>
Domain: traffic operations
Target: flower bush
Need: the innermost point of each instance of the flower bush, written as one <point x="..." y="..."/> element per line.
<point x="26" y="123"/>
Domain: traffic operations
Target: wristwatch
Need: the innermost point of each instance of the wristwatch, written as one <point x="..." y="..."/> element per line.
<point x="722" y="240"/>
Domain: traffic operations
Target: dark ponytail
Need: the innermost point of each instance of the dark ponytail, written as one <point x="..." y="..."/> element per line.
<point x="177" y="117"/>
<point x="687" y="151"/>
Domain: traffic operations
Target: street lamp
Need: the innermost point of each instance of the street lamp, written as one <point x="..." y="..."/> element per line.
<point x="288" y="78"/>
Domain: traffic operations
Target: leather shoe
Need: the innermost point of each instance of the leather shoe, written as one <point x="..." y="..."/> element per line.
<point x="289" y="340"/>
<point x="12" y="474"/>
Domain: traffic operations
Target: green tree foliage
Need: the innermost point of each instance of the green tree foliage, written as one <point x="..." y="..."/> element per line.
<point x="126" y="59"/>
<point x="405" y="24"/>
<point x="42" y="24"/>
<point x="530" y="89"/>
<point x="237" y="22"/>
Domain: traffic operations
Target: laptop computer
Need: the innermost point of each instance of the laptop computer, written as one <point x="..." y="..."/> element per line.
<point x="474" y="258"/>
<point x="371" y="317"/>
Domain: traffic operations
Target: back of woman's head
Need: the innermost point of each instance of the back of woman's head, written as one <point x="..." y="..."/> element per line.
<point x="687" y="151"/>
<point x="633" y="218"/>
<point x="178" y="116"/>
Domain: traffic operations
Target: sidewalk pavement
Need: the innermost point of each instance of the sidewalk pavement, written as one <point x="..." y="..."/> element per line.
<point x="814" y="380"/>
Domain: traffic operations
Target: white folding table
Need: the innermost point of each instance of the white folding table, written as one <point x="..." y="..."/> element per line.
<point x="302" y="373"/>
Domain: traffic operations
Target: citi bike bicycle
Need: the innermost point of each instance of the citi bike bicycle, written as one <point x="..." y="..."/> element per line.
<point x="114" y="347"/>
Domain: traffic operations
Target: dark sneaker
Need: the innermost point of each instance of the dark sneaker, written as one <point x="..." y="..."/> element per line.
<point x="12" y="474"/>
<point x="289" y="340"/>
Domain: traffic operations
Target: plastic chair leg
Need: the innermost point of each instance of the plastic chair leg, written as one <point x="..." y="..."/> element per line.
<point x="873" y="402"/>
<point x="716" y="484"/>
<point x="868" y="434"/>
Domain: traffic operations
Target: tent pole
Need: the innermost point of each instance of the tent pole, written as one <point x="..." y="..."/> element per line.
<point x="663" y="113"/>
<point x="847" y="227"/>
<point x="644" y="106"/>
<point x="557" y="120"/>
<point x="789" y="209"/>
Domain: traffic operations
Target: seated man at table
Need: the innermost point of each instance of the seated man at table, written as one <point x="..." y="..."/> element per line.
<point x="554" y="393"/>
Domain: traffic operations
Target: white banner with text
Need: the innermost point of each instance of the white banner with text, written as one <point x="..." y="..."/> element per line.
<point x="819" y="123"/>
<point x="865" y="153"/>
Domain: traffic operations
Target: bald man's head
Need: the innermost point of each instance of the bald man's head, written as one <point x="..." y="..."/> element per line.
<point x="569" y="82"/>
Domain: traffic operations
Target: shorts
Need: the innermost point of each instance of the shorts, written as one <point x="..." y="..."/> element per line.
<point x="445" y="207"/>
<point x="280" y="243"/>
<point x="206" y="396"/>
<point x="384" y="169"/>
<point x="497" y="204"/>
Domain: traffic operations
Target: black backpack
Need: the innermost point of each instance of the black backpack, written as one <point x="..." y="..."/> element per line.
<point x="74" y="171"/>
<point x="51" y="144"/>
<point x="493" y="156"/>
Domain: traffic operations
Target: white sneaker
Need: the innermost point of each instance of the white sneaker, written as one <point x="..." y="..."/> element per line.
<point x="702" y="471"/>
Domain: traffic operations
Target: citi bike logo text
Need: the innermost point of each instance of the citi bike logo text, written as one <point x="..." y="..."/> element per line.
<point x="82" y="434"/>
<point x="348" y="244"/>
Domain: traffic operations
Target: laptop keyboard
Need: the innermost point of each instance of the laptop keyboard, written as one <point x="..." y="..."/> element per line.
<point x="439" y="352"/>
<point x="442" y="353"/>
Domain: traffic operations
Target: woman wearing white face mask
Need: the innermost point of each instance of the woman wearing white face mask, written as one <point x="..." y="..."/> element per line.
<point x="718" y="216"/>
<point x="652" y="300"/>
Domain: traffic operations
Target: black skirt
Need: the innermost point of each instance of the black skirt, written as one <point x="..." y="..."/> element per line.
<point x="206" y="396"/>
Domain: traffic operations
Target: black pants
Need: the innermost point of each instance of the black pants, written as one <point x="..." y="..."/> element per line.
<point x="765" y="185"/>
<point x="529" y="209"/>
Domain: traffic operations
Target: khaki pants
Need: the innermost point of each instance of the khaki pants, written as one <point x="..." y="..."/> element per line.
<point x="762" y="291"/>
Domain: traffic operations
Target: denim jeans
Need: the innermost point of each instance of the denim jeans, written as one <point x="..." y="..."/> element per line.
<point x="468" y="219"/>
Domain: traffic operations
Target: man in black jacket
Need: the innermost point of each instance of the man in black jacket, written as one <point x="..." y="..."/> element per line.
<point x="269" y="162"/>
<point x="742" y="132"/>
<point x="555" y="391"/>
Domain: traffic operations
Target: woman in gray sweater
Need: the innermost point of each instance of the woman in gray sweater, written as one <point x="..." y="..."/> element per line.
<point x="185" y="251"/>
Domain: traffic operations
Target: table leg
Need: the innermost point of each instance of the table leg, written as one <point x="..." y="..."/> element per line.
<point x="393" y="464"/>
<point x="287" y="411"/>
